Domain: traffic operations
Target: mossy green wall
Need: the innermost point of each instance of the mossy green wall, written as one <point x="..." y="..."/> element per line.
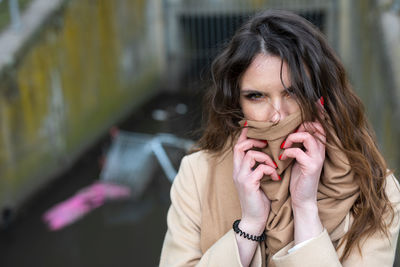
<point x="89" y="65"/>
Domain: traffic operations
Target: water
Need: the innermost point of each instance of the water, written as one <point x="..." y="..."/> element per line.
<point x="121" y="233"/>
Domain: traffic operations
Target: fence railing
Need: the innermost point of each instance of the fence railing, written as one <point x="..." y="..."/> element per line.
<point x="10" y="13"/>
<point x="196" y="30"/>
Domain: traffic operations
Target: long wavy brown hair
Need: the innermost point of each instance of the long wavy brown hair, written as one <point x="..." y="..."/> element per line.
<point x="315" y="71"/>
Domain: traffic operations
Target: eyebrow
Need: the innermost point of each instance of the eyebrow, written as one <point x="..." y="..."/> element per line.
<point x="251" y="91"/>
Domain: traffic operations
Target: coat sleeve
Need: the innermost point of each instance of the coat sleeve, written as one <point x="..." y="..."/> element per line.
<point x="181" y="245"/>
<point x="377" y="250"/>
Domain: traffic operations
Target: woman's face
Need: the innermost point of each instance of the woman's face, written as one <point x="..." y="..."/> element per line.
<point x="262" y="95"/>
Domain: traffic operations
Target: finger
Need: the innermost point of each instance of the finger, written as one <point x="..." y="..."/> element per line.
<point x="316" y="126"/>
<point x="318" y="130"/>
<point x="310" y="127"/>
<point x="321" y="107"/>
<point x="240" y="148"/>
<point x="305" y="138"/>
<point x="313" y="128"/>
<point x="256" y="156"/>
<point x="321" y="102"/>
<point x="247" y="144"/>
<point x="243" y="134"/>
<point x="239" y="153"/>
<point x="262" y="170"/>
<point x="295" y="153"/>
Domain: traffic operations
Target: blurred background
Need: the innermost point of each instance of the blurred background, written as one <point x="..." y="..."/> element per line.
<point x="87" y="86"/>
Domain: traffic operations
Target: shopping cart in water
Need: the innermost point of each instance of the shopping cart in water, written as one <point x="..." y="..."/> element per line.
<point x="132" y="158"/>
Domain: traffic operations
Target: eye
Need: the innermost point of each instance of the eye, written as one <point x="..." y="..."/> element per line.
<point x="254" y="96"/>
<point x="289" y="92"/>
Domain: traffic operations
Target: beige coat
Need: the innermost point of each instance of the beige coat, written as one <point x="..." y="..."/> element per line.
<point x="182" y="241"/>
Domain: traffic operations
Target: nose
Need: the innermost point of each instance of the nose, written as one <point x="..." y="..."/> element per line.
<point x="276" y="117"/>
<point x="277" y="111"/>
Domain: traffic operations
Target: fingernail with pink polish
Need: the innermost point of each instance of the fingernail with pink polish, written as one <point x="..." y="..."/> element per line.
<point x="276" y="165"/>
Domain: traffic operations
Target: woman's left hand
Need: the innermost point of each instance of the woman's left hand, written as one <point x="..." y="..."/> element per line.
<point x="304" y="180"/>
<point x="306" y="171"/>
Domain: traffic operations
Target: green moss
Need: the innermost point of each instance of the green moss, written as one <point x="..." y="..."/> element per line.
<point x="5" y="18"/>
<point x="69" y="90"/>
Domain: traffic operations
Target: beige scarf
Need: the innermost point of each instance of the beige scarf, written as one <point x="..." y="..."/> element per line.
<point x="337" y="191"/>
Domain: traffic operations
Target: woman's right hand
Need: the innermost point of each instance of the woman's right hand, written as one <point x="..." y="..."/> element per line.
<point x="254" y="203"/>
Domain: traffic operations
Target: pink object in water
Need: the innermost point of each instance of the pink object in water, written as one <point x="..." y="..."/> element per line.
<point x="84" y="201"/>
<point x="114" y="131"/>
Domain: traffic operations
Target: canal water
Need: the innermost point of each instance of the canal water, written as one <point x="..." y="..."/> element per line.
<point x="119" y="233"/>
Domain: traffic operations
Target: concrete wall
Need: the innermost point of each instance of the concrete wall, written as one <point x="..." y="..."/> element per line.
<point x="370" y="67"/>
<point x="90" y="63"/>
<point x="369" y="51"/>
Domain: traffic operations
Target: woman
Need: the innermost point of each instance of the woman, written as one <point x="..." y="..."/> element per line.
<point x="287" y="150"/>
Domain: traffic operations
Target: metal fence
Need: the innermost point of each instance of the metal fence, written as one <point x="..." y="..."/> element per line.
<point x="197" y="30"/>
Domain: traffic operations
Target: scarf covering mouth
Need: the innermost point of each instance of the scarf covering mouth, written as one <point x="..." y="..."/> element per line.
<point x="337" y="190"/>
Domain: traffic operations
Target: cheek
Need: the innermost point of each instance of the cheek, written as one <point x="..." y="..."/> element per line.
<point x="292" y="106"/>
<point x="254" y="111"/>
<point x="246" y="110"/>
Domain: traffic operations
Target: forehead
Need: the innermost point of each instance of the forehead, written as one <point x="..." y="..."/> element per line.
<point x="264" y="74"/>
